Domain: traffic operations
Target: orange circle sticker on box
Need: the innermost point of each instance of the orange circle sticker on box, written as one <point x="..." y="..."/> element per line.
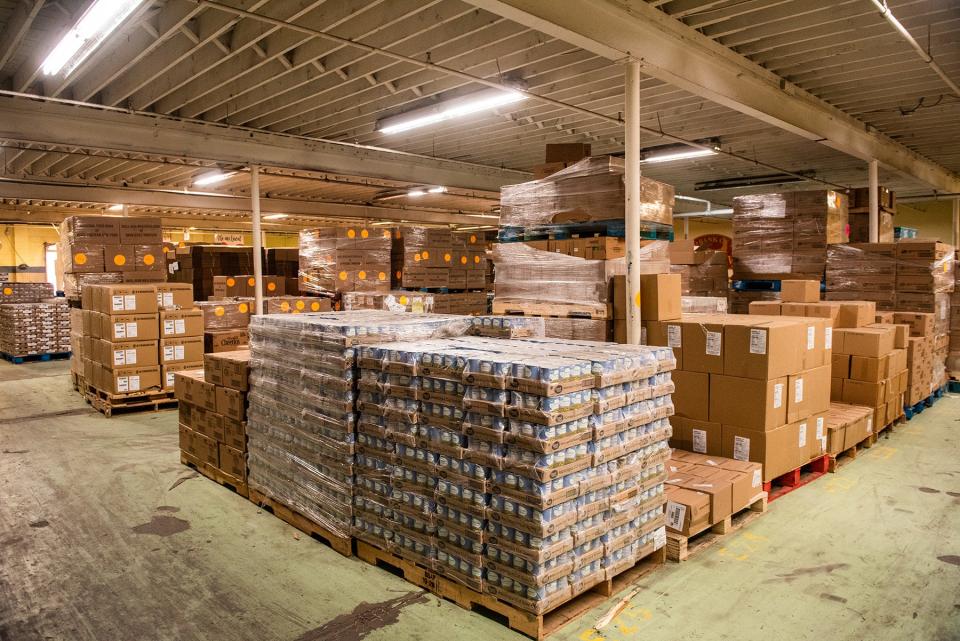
<point x="364" y="233"/>
<point x="473" y="238"/>
<point x="244" y="308"/>
<point x="271" y="287"/>
<point x="284" y="306"/>
<point x="315" y="307"/>
<point x="403" y="300"/>
<point x="342" y="275"/>
<point x="218" y="311"/>
<point x="416" y="258"/>
<point x="362" y="274"/>
<point x="476" y="259"/>
<point x="386" y="233"/>
<point x="251" y="281"/>
<point x="446" y="258"/>
<point x="231" y="282"/>
<point x="463" y="260"/>
<point x="382" y="276"/>
<point x="119" y="260"/>
<point x="80" y="258"/>
<point x="149" y="259"/>
<point x="426" y="255"/>
<point x="351" y="233"/>
<point x="7" y="291"/>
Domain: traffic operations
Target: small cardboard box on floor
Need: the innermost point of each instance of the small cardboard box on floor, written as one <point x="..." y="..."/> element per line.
<point x="703" y="490"/>
<point x="213" y="403"/>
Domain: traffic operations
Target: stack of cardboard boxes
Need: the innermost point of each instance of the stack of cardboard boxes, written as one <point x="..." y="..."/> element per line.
<point x="284" y="262"/>
<point x="435" y="258"/>
<point x="847" y="426"/>
<point x="345" y="259"/>
<point x="225" y="324"/>
<point x="244" y="286"/>
<point x="863" y="271"/>
<point x="135" y="337"/>
<point x="24" y="292"/>
<point x="108" y="249"/>
<point x="32" y="322"/>
<point x="702" y="273"/>
<point x="200" y="264"/>
<point x="923" y="360"/>
<point x="953" y="360"/>
<point x="462" y="303"/>
<point x="870" y="369"/>
<point x="213" y="414"/>
<point x="860" y="215"/>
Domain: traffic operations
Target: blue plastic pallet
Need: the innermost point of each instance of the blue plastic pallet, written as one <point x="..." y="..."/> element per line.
<point x="763" y="285"/>
<point x="33" y="358"/>
<point x="611" y="228"/>
<point x="917" y="408"/>
<point x="953" y="387"/>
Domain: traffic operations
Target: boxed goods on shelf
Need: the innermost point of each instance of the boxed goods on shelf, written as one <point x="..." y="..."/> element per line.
<point x="345" y="259"/>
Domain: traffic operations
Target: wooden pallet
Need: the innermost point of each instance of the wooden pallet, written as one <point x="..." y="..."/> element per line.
<point x="110" y="404"/>
<point x="680" y="548"/>
<point x="596" y="311"/>
<point x="532" y="625"/>
<point x="79" y="384"/>
<point x="797" y="478"/>
<point x="216" y="475"/>
<point x="340" y="543"/>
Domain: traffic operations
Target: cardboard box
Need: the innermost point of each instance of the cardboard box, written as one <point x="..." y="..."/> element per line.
<point x="869" y="369"/>
<point x="226" y="340"/>
<point x="840" y="365"/>
<point x="208" y="450"/>
<point x="874" y="342"/>
<point x="129" y="327"/>
<point x="719" y="492"/>
<point x="174" y="295"/>
<point x="760" y="404"/>
<point x="800" y="291"/>
<point x="167" y="373"/>
<point x="692" y="435"/>
<point x="703" y="346"/>
<point x="660" y="296"/>
<point x="235" y="434"/>
<point x="231" y="403"/>
<point x="765" y="350"/>
<point x="863" y="393"/>
<point x="187" y="349"/>
<point x="691" y="398"/>
<point x="190" y="386"/>
<point x="181" y="322"/>
<point x="921" y="324"/>
<point x="668" y="334"/>
<point x="126" y="354"/>
<point x="125" y="299"/>
<point x="855" y="313"/>
<point x="139" y="231"/>
<point x="687" y="511"/>
<point x="765" y="307"/>
<point x="778" y="450"/>
<point x="808" y="393"/>
<point x="229" y="369"/>
<point x="129" y="380"/>
<point x="119" y="258"/>
<point x="233" y="462"/>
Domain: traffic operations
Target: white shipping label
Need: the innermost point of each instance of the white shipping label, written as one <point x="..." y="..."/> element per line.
<point x="167" y="299"/>
<point x="828" y="338"/>
<point x="130" y="356"/>
<point x="741" y="448"/>
<point x="169" y="379"/>
<point x="869" y="425"/>
<point x="168" y="353"/>
<point x="123" y="384"/>
<point x="820" y="428"/>
<point x="178" y="352"/>
<point x="119" y="357"/>
<point x="777" y="395"/>
<point x="130" y="302"/>
<point x="798" y="391"/>
<point x="119" y="330"/>
<point x="673" y="336"/>
<point x="714" y="343"/>
<point x="180" y="326"/>
<point x="802" y="440"/>
<point x="811" y="338"/>
<point x="676" y="512"/>
<point x="173" y="267"/>
<point x="116" y="303"/>
<point x="758" y="341"/>
<point x="131" y="330"/>
<point x="659" y="538"/>
<point x="757" y="478"/>
<point x="700" y="441"/>
<point x="134" y="383"/>
<point x="168" y="327"/>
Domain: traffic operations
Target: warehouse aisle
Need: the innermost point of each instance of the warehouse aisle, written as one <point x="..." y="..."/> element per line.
<point x="104" y="535"/>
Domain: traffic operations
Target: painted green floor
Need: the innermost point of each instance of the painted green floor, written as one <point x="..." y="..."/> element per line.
<point x="105" y="536"/>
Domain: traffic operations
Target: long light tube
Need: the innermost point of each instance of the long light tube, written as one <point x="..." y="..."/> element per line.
<point x="97" y="22"/>
<point x="212" y="178"/>
<point x="449" y="109"/>
<point x="678" y="155"/>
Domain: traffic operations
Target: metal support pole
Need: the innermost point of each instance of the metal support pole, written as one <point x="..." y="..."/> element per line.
<point x="686" y="228"/>
<point x="257" y="239"/>
<point x="874" y="201"/>
<point x="632" y="183"/>
<point x="956" y="222"/>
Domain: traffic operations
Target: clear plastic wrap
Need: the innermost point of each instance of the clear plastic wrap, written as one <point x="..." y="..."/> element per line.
<point x="709" y="277"/>
<point x="463" y="303"/>
<point x="590" y="190"/>
<point x="786" y="233"/>
<point x="434" y="257"/>
<point x="345" y="259"/>
<point x="225" y="314"/>
<point x="73" y="284"/>
<point x="24" y="292"/>
<point x="29" y="329"/>
<point x="509" y="326"/>
<point x="528" y="275"/>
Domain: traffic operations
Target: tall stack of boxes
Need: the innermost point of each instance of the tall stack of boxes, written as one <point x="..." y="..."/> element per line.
<point x="953" y="360"/>
<point x="200" y="264"/>
<point x="870" y="370"/>
<point x="863" y="271"/>
<point x="922" y="358"/>
<point x="108" y="249"/>
<point x="225" y="324"/>
<point x="213" y="414"/>
<point x="135" y="337"/>
<point x="32" y="321"/>
<point x="702" y="273"/>
<point x="860" y="215"/>
<point x="285" y="262"/>
<point x="437" y="258"/>
<point x="345" y="259"/>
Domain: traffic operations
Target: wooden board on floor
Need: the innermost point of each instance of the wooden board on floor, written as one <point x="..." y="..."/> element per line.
<point x="680" y="548"/>
<point x="536" y="626"/>
<point x="340" y="543"/>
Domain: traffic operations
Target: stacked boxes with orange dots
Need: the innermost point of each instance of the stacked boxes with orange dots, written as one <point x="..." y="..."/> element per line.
<point x="345" y="259"/>
<point x="437" y="258"/>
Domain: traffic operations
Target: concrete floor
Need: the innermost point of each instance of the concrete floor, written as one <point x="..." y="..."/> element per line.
<point x="105" y="536"/>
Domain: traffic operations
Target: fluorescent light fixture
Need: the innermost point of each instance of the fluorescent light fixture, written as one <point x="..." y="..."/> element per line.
<point x="96" y="23"/>
<point x="274" y="216"/>
<point x="449" y="109"/>
<point x="416" y="192"/>
<point x="437" y="190"/>
<point x="212" y="178"/>
<point x="669" y="156"/>
<point x="115" y="208"/>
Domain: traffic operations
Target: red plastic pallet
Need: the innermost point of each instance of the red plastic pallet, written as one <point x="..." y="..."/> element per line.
<point x="786" y="483"/>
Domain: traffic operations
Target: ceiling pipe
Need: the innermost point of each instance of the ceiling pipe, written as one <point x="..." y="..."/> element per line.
<point x="885" y="11"/>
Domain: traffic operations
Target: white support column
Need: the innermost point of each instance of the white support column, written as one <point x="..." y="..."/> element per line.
<point x="632" y="181"/>
<point x="956" y="222"/>
<point x="874" y="202"/>
<point x="257" y="239"/>
<point x="686" y="228"/>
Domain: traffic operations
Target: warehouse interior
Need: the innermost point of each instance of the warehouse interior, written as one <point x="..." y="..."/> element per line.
<point x="256" y="127"/>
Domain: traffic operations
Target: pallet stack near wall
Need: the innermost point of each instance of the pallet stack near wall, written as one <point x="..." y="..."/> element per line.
<point x="34" y="325"/>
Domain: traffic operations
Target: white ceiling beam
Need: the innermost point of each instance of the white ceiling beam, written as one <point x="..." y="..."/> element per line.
<point x="59" y="124"/>
<point x="154" y="198"/>
<point x="18" y="24"/>
<point x="677" y="54"/>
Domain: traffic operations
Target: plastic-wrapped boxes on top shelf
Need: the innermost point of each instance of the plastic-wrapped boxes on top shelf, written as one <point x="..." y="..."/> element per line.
<point x="436" y="258"/>
<point x="345" y="259"/>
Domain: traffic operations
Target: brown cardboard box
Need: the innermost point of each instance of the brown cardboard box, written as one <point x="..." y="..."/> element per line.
<point x="868" y="369"/>
<point x="230" y="369"/>
<point x="765" y="307"/>
<point x="921" y="324"/>
<point x="139" y="231"/>
<point x="208" y="450"/>
<point x="819" y="334"/>
<point x="669" y="334"/>
<point x="103" y="230"/>
<point x="778" y="450"/>
<point x="126" y="354"/>
<point x="761" y="404"/>
<point x="793" y="309"/>
<point x="696" y="436"/>
<point x="660" y="296"/>
<point x="817" y="436"/>
<point x="862" y="393"/>
<point x="231" y="403"/>
<point x="767" y="349"/>
<point x="687" y="512"/>
<point x="208" y="423"/>
<point x="190" y="386"/>
<point x="840" y="365"/>
<point x="808" y="393"/>
<point x="235" y="434"/>
<point x="743" y="492"/>
<point x="800" y="291"/>
<point x="126" y="299"/>
<point x="227" y="340"/>
<point x="187" y="349"/>
<point x="855" y="314"/>
<point x="174" y="295"/>
<point x="703" y="346"/>
<point x="682" y="252"/>
<point x="129" y="380"/>
<point x="129" y="327"/>
<point x="181" y="322"/>
<point x="119" y="258"/>
<point x="864" y="341"/>
<point x="233" y="462"/>
<point x="719" y="492"/>
<point x="167" y="373"/>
